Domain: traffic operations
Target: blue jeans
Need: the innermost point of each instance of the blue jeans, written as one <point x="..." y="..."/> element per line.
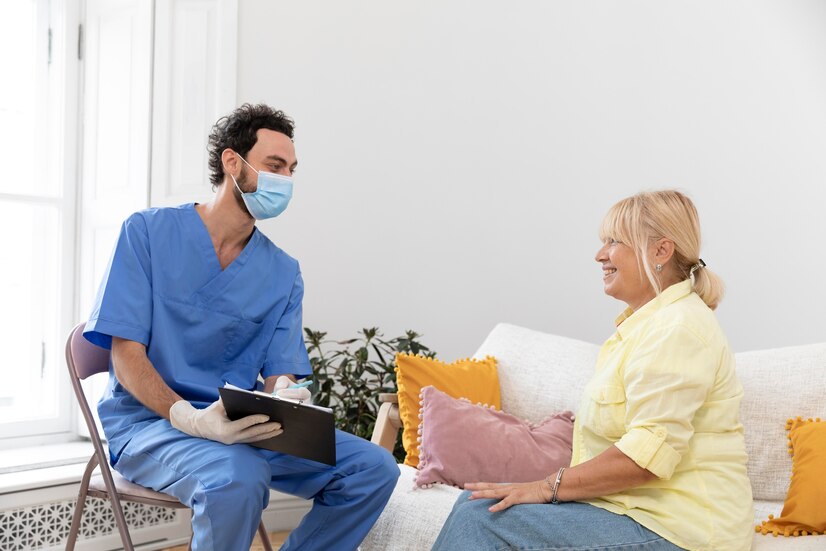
<point x="568" y="526"/>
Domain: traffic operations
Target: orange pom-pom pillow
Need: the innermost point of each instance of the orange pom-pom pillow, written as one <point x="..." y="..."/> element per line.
<point x="804" y="511"/>
<point x="476" y="380"/>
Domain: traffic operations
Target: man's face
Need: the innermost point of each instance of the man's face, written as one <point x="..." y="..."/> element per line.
<point x="272" y="152"/>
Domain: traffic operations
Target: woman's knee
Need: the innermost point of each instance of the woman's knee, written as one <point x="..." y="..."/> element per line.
<point x="472" y="511"/>
<point x="467" y="525"/>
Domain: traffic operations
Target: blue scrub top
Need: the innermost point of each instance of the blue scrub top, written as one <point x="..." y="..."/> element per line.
<point x="202" y="326"/>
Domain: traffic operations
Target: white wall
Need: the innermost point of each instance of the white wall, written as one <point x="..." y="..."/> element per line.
<point x="456" y="157"/>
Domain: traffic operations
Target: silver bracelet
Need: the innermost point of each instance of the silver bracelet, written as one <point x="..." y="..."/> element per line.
<point x="554" y="500"/>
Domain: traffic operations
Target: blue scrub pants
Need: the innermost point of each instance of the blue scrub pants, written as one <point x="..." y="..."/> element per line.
<point x="227" y="487"/>
<point x="568" y="526"/>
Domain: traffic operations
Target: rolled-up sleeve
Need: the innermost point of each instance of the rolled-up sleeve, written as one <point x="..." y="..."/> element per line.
<point x="667" y="379"/>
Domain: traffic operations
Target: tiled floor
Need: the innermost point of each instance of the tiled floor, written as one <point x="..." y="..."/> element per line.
<point x="276" y="539"/>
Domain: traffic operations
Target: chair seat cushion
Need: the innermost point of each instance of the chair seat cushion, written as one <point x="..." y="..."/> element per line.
<point x="130" y="491"/>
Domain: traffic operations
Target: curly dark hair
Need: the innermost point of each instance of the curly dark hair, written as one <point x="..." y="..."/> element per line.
<point x="237" y="131"/>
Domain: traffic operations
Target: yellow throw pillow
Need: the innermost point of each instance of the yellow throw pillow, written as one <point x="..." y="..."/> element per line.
<point x="476" y="380"/>
<point x="804" y="511"/>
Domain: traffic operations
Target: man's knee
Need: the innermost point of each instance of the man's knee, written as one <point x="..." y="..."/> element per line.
<point x="239" y="475"/>
<point x="384" y="469"/>
<point x="390" y="467"/>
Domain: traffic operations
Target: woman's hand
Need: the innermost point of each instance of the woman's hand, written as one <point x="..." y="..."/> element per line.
<point x="510" y="494"/>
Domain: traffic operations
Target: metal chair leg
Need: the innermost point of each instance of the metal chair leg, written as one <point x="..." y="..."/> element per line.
<point x="80" y="506"/>
<point x="265" y="537"/>
<point x="192" y="532"/>
<point x="76" y="518"/>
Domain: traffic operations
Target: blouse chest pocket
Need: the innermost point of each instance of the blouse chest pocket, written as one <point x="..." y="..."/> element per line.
<point x="608" y="403"/>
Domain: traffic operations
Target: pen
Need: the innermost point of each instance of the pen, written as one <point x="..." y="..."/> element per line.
<point x="301" y="385"/>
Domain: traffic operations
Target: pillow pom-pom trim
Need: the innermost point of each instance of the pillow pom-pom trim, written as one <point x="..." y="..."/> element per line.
<point x="424" y="456"/>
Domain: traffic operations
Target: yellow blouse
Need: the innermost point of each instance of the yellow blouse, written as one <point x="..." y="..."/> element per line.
<point x="665" y="393"/>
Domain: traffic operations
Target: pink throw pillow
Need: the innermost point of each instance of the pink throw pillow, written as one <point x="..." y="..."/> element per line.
<point x="462" y="442"/>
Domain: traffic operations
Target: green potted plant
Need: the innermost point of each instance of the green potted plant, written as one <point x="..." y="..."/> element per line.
<point x="349" y="375"/>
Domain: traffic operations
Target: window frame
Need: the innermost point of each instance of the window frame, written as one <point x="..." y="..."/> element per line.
<point x="63" y="105"/>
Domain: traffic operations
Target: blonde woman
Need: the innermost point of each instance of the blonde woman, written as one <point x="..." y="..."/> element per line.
<point x="659" y="459"/>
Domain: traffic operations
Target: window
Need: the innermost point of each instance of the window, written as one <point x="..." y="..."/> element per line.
<point x="80" y="143"/>
<point x="37" y="220"/>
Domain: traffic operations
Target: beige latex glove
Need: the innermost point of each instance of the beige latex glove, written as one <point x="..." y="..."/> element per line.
<point x="282" y="391"/>
<point x="212" y="423"/>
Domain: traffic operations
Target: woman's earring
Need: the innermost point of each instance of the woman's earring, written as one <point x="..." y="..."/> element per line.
<point x="659" y="267"/>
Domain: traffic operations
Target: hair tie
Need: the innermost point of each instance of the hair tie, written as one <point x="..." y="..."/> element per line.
<point x="700" y="264"/>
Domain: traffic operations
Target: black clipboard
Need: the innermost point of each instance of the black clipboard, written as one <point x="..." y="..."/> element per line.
<point x="309" y="432"/>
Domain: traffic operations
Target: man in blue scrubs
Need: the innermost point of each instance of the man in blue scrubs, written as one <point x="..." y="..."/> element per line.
<point x="195" y="297"/>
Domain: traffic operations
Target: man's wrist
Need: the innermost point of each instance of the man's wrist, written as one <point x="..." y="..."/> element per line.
<point x="180" y="414"/>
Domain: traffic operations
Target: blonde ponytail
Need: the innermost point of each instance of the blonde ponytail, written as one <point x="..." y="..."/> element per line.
<point x="709" y="286"/>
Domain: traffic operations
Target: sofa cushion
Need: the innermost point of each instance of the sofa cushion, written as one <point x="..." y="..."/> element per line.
<point x="778" y="384"/>
<point x="539" y="374"/>
<point x="413" y="517"/>
<point x="463" y="442"/>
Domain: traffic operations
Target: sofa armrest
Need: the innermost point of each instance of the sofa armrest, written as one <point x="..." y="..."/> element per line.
<point x="388" y="422"/>
<point x="392" y="398"/>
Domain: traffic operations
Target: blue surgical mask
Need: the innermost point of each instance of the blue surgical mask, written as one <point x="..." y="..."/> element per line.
<point x="271" y="197"/>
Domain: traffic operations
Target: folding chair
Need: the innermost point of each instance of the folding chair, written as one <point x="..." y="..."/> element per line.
<point x="83" y="360"/>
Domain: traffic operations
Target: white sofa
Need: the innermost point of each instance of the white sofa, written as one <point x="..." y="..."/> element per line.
<point x="541" y="373"/>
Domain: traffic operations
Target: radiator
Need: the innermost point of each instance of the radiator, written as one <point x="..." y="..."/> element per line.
<point x="40" y="520"/>
<point x="46" y="525"/>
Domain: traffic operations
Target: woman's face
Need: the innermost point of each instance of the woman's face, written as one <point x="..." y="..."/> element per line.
<point x="622" y="275"/>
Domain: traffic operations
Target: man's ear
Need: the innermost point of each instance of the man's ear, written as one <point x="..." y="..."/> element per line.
<point x="229" y="159"/>
<point x="663" y="250"/>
